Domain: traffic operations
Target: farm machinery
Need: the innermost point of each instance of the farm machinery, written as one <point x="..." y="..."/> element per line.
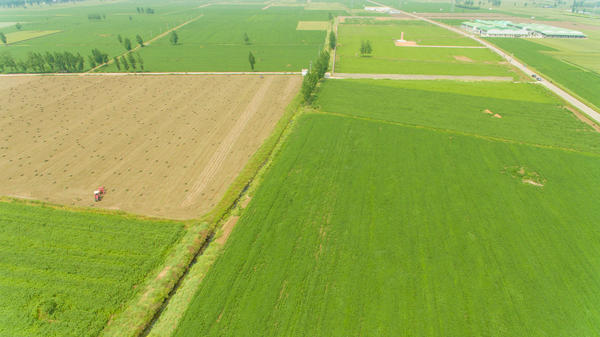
<point x="99" y="193"/>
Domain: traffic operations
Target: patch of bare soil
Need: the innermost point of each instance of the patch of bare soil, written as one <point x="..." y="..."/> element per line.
<point x="497" y="116"/>
<point x="163" y="273"/>
<point x="487" y="112"/>
<point x="227" y="228"/>
<point x="462" y="58"/>
<point x="525" y="175"/>
<point x="166" y="146"/>
<point x="583" y="118"/>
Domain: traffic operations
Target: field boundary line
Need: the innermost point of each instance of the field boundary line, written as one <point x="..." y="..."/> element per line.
<point x="256" y="168"/>
<point x="147" y="43"/>
<point x="564" y="95"/>
<point x="455" y="132"/>
<point x="467" y="78"/>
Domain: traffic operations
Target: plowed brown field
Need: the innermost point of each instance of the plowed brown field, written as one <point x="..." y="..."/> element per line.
<point x="165" y="146"/>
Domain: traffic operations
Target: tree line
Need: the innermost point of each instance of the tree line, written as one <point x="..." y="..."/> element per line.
<point x="316" y="73"/>
<point x="96" y="16"/>
<point x="131" y="60"/>
<point x="142" y="10"/>
<point x="59" y="62"/>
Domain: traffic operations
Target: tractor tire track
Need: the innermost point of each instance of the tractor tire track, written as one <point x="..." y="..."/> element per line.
<point x="220" y="155"/>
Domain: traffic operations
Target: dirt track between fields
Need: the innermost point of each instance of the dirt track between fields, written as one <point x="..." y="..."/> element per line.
<point x="166" y="146"/>
<point x="407" y="77"/>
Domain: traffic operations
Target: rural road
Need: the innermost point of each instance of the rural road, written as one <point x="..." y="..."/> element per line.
<point x="420" y="77"/>
<point x="558" y="91"/>
<point x="157" y="74"/>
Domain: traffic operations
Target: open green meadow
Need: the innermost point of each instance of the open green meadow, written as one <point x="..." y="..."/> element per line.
<point x="65" y="273"/>
<point x="215" y="42"/>
<point x="79" y="34"/>
<point x="583" y="82"/>
<point x="375" y="226"/>
<point x="387" y="58"/>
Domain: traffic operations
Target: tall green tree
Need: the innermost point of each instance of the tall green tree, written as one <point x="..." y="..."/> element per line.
<point x="2" y="37"/>
<point x="140" y="61"/>
<point x="173" y="38"/>
<point x="127" y="43"/>
<point x="252" y="60"/>
<point x="117" y="63"/>
<point x="332" y="40"/>
<point x="19" y="26"/>
<point x="131" y="60"/>
<point x="365" y="48"/>
<point x="125" y="63"/>
<point x="139" y="40"/>
<point x="246" y="39"/>
<point x="120" y="38"/>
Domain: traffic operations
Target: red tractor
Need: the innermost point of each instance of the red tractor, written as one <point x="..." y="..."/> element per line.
<point x="99" y="193"/>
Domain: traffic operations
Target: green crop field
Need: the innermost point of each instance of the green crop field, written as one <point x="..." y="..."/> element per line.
<point x="382" y="228"/>
<point x="212" y="39"/>
<point x="528" y="112"/>
<point x="581" y="81"/>
<point x="64" y="273"/>
<point x="387" y="58"/>
<point x="582" y="52"/>
<point x="215" y="42"/>
<point x="79" y="34"/>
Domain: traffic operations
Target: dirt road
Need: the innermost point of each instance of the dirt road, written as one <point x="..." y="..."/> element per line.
<point x="421" y="77"/>
<point x="558" y="91"/>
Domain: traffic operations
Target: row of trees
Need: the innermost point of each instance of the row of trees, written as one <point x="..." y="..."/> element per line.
<point x="365" y="48"/>
<point x="142" y="10"/>
<point x="316" y="73"/>
<point x="67" y="62"/>
<point x="97" y="58"/>
<point x="132" y="60"/>
<point x="96" y="16"/>
<point x="42" y="63"/>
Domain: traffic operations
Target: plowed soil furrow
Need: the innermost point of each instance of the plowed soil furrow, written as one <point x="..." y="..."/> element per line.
<point x="219" y="156"/>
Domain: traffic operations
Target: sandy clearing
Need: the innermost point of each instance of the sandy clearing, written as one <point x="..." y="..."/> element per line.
<point x="166" y="146"/>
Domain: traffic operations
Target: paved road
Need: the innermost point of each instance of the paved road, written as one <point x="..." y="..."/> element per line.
<point x="421" y="77"/>
<point x="558" y="91"/>
<point x="157" y="74"/>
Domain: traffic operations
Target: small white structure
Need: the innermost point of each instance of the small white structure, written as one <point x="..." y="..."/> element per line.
<point x="378" y="9"/>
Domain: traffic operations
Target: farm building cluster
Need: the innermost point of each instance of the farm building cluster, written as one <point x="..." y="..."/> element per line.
<point x="489" y="28"/>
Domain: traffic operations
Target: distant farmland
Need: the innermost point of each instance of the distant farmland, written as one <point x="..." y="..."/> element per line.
<point x="383" y="225"/>
<point x="215" y="42"/>
<point x="387" y="58"/>
<point x="79" y="34"/>
<point x="64" y="273"/>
